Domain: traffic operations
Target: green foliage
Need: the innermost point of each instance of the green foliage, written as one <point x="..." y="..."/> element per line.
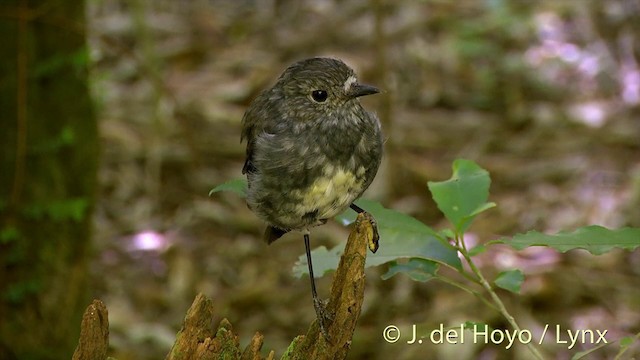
<point x="238" y="186"/>
<point x="78" y="61"/>
<point x="65" y="138"/>
<point x="18" y="291"/>
<point x="595" y="239"/>
<point x="463" y="196"/>
<point x="408" y="246"/>
<point x="417" y="269"/>
<point x="402" y="237"/>
<point x="626" y="343"/>
<point x="510" y="280"/>
<point x="477" y="250"/>
<point x="476" y="324"/>
<point x="461" y="199"/>
<point x="324" y="261"/>
<point x="9" y="234"/>
<point x="69" y="209"/>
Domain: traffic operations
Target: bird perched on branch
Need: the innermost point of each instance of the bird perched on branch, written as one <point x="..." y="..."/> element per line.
<point x="312" y="149"/>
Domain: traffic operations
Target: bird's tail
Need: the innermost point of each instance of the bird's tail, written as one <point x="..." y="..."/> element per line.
<point x="272" y="234"/>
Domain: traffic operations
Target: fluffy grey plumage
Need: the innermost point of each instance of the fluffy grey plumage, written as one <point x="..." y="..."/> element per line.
<point x="312" y="149"/>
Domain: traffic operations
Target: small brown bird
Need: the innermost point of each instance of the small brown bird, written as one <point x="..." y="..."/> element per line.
<point x="312" y="149"/>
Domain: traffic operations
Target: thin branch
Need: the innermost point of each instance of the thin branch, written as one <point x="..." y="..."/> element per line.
<point x="496" y="299"/>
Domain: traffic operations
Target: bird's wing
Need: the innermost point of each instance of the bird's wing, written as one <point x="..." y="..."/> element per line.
<point x="251" y="125"/>
<point x="261" y="117"/>
<point x="248" y="133"/>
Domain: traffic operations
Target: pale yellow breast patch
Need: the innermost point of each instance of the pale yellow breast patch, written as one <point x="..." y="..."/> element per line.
<point x="331" y="193"/>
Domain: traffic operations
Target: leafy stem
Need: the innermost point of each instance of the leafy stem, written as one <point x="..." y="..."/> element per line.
<point x="412" y="248"/>
<point x="470" y="291"/>
<point x="462" y="248"/>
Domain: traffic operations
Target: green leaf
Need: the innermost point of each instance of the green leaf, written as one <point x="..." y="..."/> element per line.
<point x="64" y="139"/>
<point x="74" y="209"/>
<point x="595" y="239"/>
<point x="447" y="234"/>
<point x="323" y="261"/>
<point x="482" y="208"/>
<point x="417" y="269"/>
<point x="47" y="66"/>
<point x="401" y="236"/>
<point x="59" y="210"/>
<point x="477" y="325"/>
<point x="238" y="186"/>
<point x="464" y="195"/>
<point x="9" y="234"/>
<point x="510" y="280"/>
<point x="626" y="341"/>
<point x="477" y="250"/>
<point x="67" y="136"/>
<point x="17" y="292"/>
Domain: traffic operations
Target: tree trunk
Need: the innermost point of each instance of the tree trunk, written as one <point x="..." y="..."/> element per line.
<point x="48" y="166"/>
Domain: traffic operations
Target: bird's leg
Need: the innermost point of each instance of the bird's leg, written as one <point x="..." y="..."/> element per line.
<point x="319" y="305"/>
<point x="374" y="237"/>
<point x="356" y="208"/>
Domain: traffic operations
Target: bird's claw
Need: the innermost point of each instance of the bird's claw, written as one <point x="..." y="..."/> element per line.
<point x="323" y="315"/>
<point x="372" y="235"/>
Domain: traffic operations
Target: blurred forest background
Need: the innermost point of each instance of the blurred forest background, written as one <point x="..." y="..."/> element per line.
<point x="545" y="95"/>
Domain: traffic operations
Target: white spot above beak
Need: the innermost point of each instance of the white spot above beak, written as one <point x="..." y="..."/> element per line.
<point x="350" y="81"/>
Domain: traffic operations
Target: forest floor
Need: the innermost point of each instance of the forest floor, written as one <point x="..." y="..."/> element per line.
<point x="172" y="83"/>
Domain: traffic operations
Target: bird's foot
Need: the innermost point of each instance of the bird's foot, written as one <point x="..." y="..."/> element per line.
<point x="324" y="317"/>
<point x="372" y="235"/>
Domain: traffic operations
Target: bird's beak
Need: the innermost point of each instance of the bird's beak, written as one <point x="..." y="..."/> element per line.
<point x="358" y="90"/>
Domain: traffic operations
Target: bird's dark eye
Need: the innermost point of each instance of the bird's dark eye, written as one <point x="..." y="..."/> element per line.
<point x="319" y="95"/>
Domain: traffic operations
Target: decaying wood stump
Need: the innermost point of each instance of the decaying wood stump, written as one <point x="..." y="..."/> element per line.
<point x="94" y="333"/>
<point x="345" y="301"/>
<point x="199" y="339"/>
